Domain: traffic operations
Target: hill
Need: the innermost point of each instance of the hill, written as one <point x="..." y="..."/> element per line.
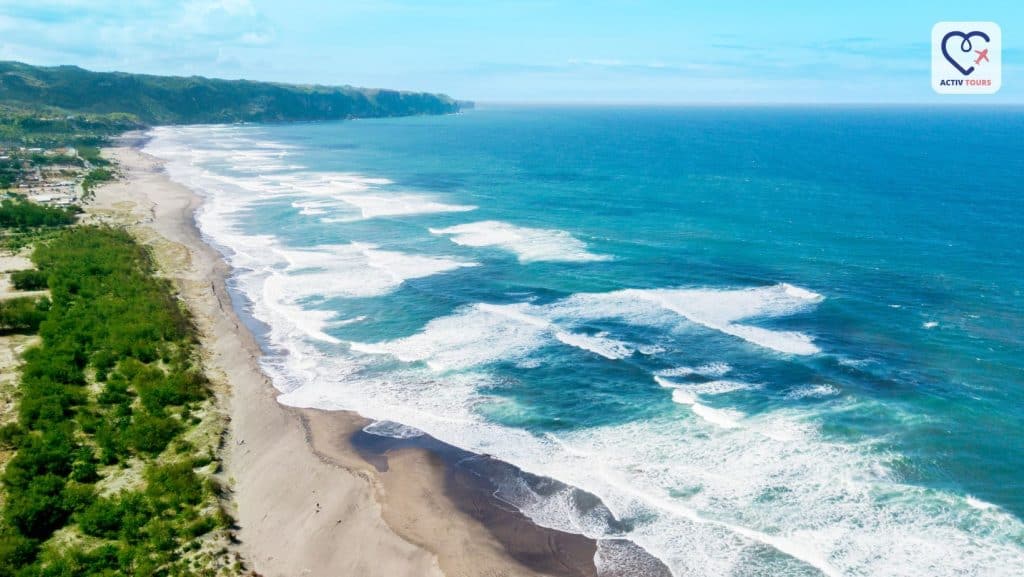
<point x="195" y="99"/>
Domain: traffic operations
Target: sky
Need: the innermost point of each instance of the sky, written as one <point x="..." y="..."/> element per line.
<point x="597" y="51"/>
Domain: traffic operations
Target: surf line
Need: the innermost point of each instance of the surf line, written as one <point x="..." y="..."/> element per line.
<point x="778" y="543"/>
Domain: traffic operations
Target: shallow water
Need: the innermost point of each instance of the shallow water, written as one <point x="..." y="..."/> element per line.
<point x="774" y="341"/>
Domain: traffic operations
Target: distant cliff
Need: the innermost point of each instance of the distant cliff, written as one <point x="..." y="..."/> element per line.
<point x="194" y="99"/>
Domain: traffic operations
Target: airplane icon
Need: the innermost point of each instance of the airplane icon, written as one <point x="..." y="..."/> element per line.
<point x="982" y="55"/>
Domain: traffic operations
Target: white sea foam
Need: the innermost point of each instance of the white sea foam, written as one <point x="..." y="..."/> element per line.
<point x="978" y="503"/>
<point x="351" y="321"/>
<point x="374" y="206"/>
<point x="771" y="496"/>
<point x="284" y="282"/>
<point x="812" y="392"/>
<point x="722" y="417"/>
<point x="683" y="397"/>
<point x="706" y="388"/>
<point x="721" y="309"/>
<point x="529" y="244"/>
<point x="715" y="369"/>
<point x="334" y="196"/>
<point x="607" y="348"/>
<point x="313" y="207"/>
<point x="292" y="276"/>
<point x="712" y="370"/>
<point x="930" y="325"/>
<point x="689" y="394"/>
<point x="392" y="429"/>
<point x="721" y="387"/>
<point x="650" y="350"/>
<point x="485" y="333"/>
<point x="717" y="309"/>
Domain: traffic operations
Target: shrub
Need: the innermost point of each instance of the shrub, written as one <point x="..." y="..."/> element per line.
<point x="23" y="314"/>
<point x="28" y="280"/>
<point x="174" y="485"/>
<point x="16" y="551"/>
<point x="101" y="519"/>
<point x="11" y="435"/>
<point x="38" y="509"/>
<point x="150" y="433"/>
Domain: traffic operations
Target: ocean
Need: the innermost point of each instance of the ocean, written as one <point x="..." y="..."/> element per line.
<point x="779" y="341"/>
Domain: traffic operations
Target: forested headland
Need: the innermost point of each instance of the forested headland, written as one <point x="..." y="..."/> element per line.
<point x="153" y="99"/>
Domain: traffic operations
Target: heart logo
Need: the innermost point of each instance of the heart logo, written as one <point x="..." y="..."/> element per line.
<point x="965" y="47"/>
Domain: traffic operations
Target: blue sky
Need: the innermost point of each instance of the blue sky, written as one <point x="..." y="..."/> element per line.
<point x="541" y="51"/>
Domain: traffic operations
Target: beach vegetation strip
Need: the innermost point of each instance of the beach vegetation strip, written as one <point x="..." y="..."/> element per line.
<point x="115" y="460"/>
<point x="20" y="214"/>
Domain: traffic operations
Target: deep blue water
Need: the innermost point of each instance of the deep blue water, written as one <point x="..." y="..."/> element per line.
<point x="779" y="341"/>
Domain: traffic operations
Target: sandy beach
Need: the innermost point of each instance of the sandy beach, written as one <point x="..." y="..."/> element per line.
<point x="306" y="501"/>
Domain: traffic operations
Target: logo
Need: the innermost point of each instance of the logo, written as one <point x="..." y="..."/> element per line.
<point x="966" y="58"/>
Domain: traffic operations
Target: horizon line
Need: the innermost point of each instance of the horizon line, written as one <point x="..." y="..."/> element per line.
<point x="736" y="104"/>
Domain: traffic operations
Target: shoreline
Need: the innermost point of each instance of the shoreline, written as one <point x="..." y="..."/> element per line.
<point x="308" y="501"/>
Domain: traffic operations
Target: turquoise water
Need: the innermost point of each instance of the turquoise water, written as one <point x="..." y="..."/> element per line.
<point x="774" y="341"/>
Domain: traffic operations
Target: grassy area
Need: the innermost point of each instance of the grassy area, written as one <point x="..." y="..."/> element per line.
<point x="114" y="470"/>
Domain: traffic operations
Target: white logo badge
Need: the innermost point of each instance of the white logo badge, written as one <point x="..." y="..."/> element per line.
<point x="966" y="58"/>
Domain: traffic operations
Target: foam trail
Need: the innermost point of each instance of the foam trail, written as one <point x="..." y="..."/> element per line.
<point x="485" y="333"/>
<point x="721" y="417"/>
<point x="607" y="348"/>
<point x="716" y="309"/>
<point x="528" y="244"/>
<point x="813" y="392"/>
<point x="713" y="370"/>
<point x="725" y="418"/>
<point x="376" y="206"/>
<point x="327" y="271"/>
<point x="707" y="388"/>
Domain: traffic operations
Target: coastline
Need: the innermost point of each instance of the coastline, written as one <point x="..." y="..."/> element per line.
<point x="308" y="502"/>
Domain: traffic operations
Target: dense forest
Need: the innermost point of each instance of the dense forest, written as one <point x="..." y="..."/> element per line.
<point x="111" y="475"/>
<point x="181" y="100"/>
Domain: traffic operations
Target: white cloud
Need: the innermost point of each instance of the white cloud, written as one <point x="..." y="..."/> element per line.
<point x="145" y="36"/>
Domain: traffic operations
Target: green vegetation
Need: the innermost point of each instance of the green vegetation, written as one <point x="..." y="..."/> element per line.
<point x="91" y="154"/>
<point x="29" y="280"/>
<point x="20" y="214"/>
<point x="29" y="124"/>
<point x="181" y="100"/>
<point x="23" y="314"/>
<point x="113" y="388"/>
<point x="95" y="177"/>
